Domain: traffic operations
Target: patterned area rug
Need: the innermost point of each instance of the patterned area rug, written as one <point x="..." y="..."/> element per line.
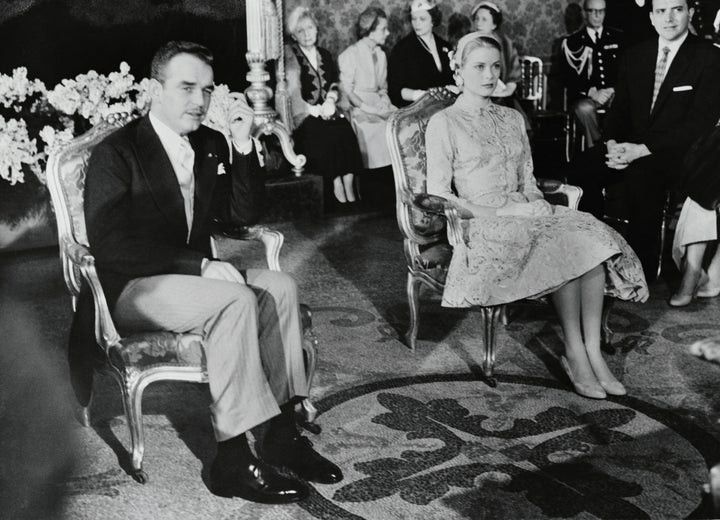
<point x="418" y="434"/>
<point x="446" y="446"/>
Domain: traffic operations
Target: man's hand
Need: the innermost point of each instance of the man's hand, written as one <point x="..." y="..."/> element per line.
<point x="620" y="155"/>
<point x="601" y="96"/>
<point x="221" y="271"/>
<point x="241" y="119"/>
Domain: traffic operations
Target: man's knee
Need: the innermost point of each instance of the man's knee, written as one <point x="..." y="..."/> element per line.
<point x="282" y="285"/>
<point x="584" y="109"/>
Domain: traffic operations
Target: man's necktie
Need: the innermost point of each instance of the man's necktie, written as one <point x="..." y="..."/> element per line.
<point x="659" y="74"/>
<point x="186" y="178"/>
<point x="596" y="36"/>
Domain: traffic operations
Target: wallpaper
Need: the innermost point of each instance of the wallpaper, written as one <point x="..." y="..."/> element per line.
<point x="532" y="24"/>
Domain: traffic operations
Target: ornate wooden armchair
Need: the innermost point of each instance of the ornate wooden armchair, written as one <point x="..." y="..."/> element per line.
<point x="139" y="359"/>
<point x="429" y="225"/>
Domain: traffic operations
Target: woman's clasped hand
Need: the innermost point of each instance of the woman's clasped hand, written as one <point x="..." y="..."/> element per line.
<point x="536" y="208"/>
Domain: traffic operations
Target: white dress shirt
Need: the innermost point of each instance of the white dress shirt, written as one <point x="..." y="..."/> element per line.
<point x="182" y="158"/>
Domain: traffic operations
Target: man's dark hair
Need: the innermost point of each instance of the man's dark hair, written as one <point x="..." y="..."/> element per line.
<point x="171" y="49"/>
<point x="650" y="6"/>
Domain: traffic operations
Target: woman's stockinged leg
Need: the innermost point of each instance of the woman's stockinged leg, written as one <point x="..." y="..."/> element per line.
<point x="568" y="303"/>
<point x="339" y="190"/>
<point x="348" y="180"/>
<point x="692" y="274"/>
<point x="592" y="288"/>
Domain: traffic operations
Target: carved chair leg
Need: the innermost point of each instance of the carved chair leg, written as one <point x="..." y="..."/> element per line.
<point x="310" y="342"/>
<point x="132" y="390"/>
<point x="490" y="317"/>
<point x="413" y="295"/>
<point x="606" y="332"/>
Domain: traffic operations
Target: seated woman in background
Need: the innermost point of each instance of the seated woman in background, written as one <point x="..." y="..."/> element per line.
<point x="420" y="60"/>
<point x="488" y="19"/>
<point x="517" y="244"/>
<point x="458" y="26"/>
<point x="363" y="78"/>
<point x="697" y="227"/>
<point x="321" y="131"/>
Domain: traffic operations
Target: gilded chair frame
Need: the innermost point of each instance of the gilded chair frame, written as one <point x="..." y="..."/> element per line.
<point x="411" y="202"/>
<point x="65" y="179"/>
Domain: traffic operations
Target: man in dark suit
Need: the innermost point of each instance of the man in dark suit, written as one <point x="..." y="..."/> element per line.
<point x="151" y="191"/>
<point x="666" y="96"/>
<point x="589" y="68"/>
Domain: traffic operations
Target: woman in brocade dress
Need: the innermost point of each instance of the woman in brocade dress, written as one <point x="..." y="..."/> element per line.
<point x="322" y="133"/>
<point x="363" y="78"/>
<point x="517" y="245"/>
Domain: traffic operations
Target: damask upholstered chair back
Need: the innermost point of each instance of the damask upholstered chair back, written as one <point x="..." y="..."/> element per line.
<point x="66" y="181"/>
<point x="421" y="218"/>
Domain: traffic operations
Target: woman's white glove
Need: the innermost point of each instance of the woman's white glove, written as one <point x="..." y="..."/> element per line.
<point x="314" y="110"/>
<point x="417" y="94"/>
<point x="327" y="109"/>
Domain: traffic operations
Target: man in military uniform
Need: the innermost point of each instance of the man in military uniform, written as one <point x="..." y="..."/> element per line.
<point x="589" y="68"/>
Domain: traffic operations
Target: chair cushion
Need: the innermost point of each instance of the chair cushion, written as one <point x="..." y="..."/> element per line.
<point x="145" y="350"/>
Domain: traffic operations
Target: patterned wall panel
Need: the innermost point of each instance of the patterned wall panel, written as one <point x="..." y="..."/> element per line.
<point x="532" y="24"/>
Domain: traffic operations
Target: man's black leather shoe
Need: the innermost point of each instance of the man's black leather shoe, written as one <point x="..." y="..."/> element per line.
<point x="298" y="456"/>
<point x="254" y="481"/>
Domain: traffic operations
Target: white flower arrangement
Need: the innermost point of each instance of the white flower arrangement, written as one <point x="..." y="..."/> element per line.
<point x="95" y="97"/>
<point x="46" y="119"/>
<point x="17" y="89"/>
<point x="16" y="149"/>
<point x="26" y="142"/>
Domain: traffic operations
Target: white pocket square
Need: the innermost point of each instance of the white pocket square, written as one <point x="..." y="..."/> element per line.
<point x="221" y="169"/>
<point x="682" y="88"/>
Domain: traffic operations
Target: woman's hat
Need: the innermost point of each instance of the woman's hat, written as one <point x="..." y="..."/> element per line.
<point x="487" y="5"/>
<point x="421" y="5"/>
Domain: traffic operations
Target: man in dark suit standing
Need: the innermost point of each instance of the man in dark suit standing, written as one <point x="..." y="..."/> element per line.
<point x="666" y="96"/>
<point x="151" y="191"/>
<point x="589" y="68"/>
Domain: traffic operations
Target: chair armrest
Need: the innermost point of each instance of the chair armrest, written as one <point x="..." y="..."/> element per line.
<point x="437" y="205"/>
<point x="271" y="239"/>
<point x="106" y="334"/>
<point x="555" y="187"/>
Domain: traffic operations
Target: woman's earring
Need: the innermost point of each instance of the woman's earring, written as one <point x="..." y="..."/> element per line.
<point x="459" y="81"/>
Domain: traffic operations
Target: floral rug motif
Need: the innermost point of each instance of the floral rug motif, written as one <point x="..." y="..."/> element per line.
<point x="448" y="446"/>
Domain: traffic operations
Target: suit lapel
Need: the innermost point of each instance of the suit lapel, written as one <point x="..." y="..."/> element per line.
<point x="160" y="176"/>
<point x="677" y="69"/>
<point x="205" y="171"/>
<point x="646" y="78"/>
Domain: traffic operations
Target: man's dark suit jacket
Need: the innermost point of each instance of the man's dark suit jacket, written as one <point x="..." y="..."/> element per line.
<point x="601" y="72"/>
<point x="687" y="105"/>
<point x="135" y="218"/>
<point x="410" y="65"/>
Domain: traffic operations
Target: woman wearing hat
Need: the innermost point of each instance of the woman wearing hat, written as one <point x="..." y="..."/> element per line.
<point x="517" y="245"/>
<point x="321" y="131"/>
<point x="420" y="60"/>
<point x="363" y="79"/>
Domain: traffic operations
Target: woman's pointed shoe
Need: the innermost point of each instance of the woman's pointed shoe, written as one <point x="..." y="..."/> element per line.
<point x="688" y="289"/>
<point x="591" y="390"/>
<point x="613" y="387"/>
